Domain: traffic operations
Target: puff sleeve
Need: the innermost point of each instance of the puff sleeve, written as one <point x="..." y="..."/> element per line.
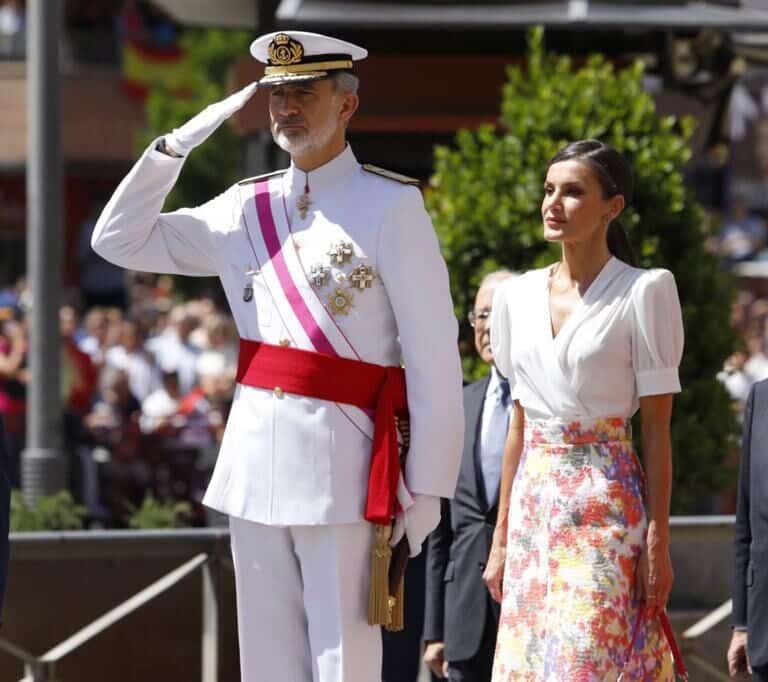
<point x="657" y="334"/>
<point x="501" y="330"/>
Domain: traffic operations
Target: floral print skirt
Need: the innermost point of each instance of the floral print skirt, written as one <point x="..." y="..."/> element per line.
<point x="576" y="529"/>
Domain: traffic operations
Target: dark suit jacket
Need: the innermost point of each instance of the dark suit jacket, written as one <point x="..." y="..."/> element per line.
<point x="750" y="593"/>
<point x="5" y="513"/>
<point x="457" y="599"/>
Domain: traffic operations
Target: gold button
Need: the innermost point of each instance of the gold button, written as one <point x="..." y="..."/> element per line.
<point x="285" y="342"/>
<point x="279" y="393"/>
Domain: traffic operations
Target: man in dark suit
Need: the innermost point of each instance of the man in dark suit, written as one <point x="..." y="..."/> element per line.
<point x="461" y="619"/>
<point x="748" y="650"/>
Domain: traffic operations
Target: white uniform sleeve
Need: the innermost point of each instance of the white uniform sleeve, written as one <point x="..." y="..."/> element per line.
<point x="416" y="279"/>
<point x="501" y="330"/>
<point x="132" y="232"/>
<point x="657" y="334"/>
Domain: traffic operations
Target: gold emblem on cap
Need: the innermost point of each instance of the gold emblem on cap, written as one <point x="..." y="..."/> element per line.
<point x="284" y="50"/>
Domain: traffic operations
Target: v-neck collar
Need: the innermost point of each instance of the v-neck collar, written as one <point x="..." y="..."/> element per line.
<point x="594" y="289"/>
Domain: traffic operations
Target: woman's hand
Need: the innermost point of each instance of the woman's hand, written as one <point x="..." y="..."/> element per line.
<point x="654" y="576"/>
<point x="494" y="568"/>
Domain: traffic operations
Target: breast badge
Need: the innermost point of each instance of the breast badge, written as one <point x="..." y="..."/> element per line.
<point x="341" y="252"/>
<point x="340" y="302"/>
<point x="319" y="274"/>
<point x="362" y="277"/>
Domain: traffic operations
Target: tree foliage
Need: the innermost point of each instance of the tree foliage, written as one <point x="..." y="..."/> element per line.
<point x="485" y="202"/>
<point x="214" y="166"/>
<point x="52" y="512"/>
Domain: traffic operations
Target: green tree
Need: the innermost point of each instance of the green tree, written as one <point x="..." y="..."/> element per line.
<point x="214" y="166"/>
<point x="485" y="199"/>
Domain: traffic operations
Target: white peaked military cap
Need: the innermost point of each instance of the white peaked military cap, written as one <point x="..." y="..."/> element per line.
<point x="293" y="56"/>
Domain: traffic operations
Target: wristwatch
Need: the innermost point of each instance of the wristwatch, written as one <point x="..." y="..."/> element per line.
<point x="163" y="148"/>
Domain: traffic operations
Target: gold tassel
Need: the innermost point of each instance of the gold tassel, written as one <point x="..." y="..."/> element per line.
<point x="379" y="604"/>
<point x="397" y="608"/>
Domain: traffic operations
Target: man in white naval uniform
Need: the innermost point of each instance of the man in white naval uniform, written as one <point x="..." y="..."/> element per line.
<point x="333" y="258"/>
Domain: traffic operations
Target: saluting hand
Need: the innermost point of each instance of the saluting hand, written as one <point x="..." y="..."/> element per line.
<point x="200" y="127"/>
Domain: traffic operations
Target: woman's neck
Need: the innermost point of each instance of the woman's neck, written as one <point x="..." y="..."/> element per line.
<point x="581" y="263"/>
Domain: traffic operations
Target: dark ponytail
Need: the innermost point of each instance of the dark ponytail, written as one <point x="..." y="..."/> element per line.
<point x="615" y="177"/>
<point x="619" y="244"/>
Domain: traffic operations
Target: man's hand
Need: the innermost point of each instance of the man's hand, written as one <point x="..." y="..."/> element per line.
<point x="199" y="128"/>
<point x="434" y="657"/>
<point x="738" y="661"/>
<point x="418" y="521"/>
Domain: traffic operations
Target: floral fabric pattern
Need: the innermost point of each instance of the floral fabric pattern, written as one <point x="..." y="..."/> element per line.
<point x="576" y="529"/>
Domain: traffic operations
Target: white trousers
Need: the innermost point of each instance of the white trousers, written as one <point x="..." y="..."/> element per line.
<point x="302" y="602"/>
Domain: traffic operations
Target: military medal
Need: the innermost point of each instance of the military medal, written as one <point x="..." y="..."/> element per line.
<point x="341" y="252"/>
<point x="340" y="302"/>
<point x="304" y="201"/>
<point x="362" y="277"/>
<point x="319" y="274"/>
<point x="248" y="289"/>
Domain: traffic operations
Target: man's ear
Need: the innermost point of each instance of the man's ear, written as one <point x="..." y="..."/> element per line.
<point x="349" y="106"/>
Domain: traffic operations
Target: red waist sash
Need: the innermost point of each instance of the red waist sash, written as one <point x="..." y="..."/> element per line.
<point x="339" y="380"/>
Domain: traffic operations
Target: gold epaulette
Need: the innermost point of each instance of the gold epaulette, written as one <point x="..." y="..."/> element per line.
<point x="391" y="175"/>
<point x="264" y="176"/>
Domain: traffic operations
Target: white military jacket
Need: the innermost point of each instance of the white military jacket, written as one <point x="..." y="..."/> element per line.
<point x="360" y="276"/>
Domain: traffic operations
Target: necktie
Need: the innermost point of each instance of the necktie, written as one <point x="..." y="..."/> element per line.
<point x="493" y="445"/>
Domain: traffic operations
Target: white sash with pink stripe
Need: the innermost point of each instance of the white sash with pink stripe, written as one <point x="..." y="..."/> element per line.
<point x="303" y="313"/>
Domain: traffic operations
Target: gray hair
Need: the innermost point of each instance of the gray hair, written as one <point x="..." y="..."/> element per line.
<point x="496" y="277"/>
<point x="346" y="82"/>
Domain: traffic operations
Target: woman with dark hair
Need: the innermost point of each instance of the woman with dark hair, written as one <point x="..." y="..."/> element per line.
<point x="582" y="539"/>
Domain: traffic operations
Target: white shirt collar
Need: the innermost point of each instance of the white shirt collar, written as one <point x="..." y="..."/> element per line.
<point x="327" y="175"/>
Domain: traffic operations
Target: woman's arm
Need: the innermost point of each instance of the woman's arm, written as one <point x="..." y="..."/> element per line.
<point x="655" y="569"/>
<point x="513" y="448"/>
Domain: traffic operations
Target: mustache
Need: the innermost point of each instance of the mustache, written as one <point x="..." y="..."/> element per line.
<point x="293" y="120"/>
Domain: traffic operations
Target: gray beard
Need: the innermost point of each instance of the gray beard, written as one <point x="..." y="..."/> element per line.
<point x="308" y="142"/>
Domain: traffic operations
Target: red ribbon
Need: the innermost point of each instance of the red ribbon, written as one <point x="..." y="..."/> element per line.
<point x="340" y="380"/>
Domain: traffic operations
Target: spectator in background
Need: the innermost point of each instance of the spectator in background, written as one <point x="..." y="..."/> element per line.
<point x="735" y="378"/>
<point x="160" y="407"/>
<point x="13" y="385"/>
<point x="461" y="618"/>
<point x="101" y="283"/>
<point x="94" y="341"/>
<point x="5" y="514"/>
<point x="743" y="234"/>
<point x="112" y="429"/>
<point x="12" y="29"/>
<point x="756" y="365"/>
<point x="131" y="356"/>
<point x="174" y="350"/>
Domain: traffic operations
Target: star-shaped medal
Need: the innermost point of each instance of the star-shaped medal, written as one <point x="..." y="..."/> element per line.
<point x="340" y="302"/>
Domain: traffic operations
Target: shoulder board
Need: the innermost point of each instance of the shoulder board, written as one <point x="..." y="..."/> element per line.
<point x="390" y="175"/>
<point x="264" y="176"/>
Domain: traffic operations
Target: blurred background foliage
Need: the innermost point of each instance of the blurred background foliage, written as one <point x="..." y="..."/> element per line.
<point x="485" y="202"/>
<point x="215" y="165"/>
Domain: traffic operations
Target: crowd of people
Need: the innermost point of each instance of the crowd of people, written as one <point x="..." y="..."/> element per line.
<point x="749" y="363"/>
<point x="146" y="387"/>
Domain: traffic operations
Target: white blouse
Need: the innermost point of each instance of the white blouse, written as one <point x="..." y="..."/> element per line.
<point x="624" y="340"/>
